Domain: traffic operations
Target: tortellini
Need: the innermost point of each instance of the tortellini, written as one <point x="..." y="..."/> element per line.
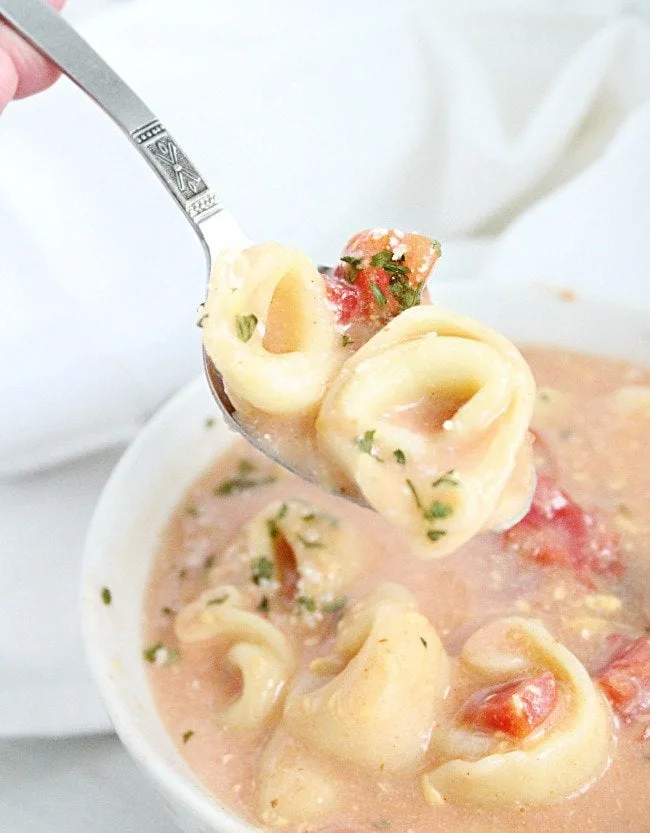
<point x="294" y="786"/>
<point x="261" y="652"/>
<point x="326" y="554"/>
<point x="269" y="330"/>
<point x="558" y="759"/>
<point x="390" y="675"/>
<point x="466" y="463"/>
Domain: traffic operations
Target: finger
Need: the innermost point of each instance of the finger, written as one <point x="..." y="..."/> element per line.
<point x="34" y="72"/>
<point x="8" y="79"/>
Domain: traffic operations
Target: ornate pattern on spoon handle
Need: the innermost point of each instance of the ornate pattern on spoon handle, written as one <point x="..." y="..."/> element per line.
<point x="175" y="168"/>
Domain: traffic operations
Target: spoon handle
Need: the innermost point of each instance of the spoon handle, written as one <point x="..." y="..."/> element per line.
<point x="38" y="23"/>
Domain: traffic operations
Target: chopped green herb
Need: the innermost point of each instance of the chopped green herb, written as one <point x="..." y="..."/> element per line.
<point x="245" y="466"/>
<point x="378" y="294"/>
<point x="365" y="442"/>
<point x="307" y="602"/>
<point x="354" y="264"/>
<point x="309" y="516"/>
<point x="202" y="316"/>
<point x="309" y="544"/>
<point x="345" y="340"/>
<point x="335" y="605"/>
<point x="273" y="528"/>
<point x="394" y="266"/>
<point x="209" y="561"/>
<point x="187" y="735"/>
<point x="424" y="642"/>
<point x="182" y="574"/>
<point x="543" y="395"/>
<point x="241" y="482"/>
<point x="282" y="511"/>
<point x="418" y="502"/>
<point x="405" y="294"/>
<point x="219" y="600"/>
<point x="438" y="510"/>
<point x="262" y="569"/>
<point x="192" y="510"/>
<point x="382" y="824"/>
<point x="446" y="479"/>
<point x="151" y="654"/>
<point x="435" y="244"/>
<point x="399" y="456"/>
<point x="167" y="611"/>
<point x="107" y="596"/>
<point x="264" y="605"/>
<point x="435" y="534"/>
<point x="210" y="422"/>
<point x="245" y="326"/>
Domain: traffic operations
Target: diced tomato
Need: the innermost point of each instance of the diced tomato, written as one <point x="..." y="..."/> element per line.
<point x="514" y="708"/>
<point x="380" y="274"/>
<point x="558" y="531"/>
<point x="625" y="678"/>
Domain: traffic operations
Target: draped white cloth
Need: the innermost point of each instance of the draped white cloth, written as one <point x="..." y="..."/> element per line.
<point x="521" y="140"/>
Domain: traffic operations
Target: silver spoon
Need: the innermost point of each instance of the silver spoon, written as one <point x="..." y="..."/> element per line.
<point x="216" y="228"/>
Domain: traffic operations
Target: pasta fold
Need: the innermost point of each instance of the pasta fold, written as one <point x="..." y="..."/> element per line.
<point x="318" y="553"/>
<point x="391" y="672"/>
<point x="430" y="419"/>
<point x="560" y="758"/>
<point x="261" y="652"/>
<point x="268" y="329"/>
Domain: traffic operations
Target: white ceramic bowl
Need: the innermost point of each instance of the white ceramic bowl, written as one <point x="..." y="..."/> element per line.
<point x="174" y="448"/>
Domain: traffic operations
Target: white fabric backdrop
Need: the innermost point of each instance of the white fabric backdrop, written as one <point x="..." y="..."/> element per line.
<point x="311" y="120"/>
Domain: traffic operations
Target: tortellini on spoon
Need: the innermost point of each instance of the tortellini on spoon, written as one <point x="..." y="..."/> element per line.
<point x="430" y="419"/>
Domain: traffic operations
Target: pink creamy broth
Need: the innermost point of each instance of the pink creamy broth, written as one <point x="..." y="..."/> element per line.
<point x="600" y="457"/>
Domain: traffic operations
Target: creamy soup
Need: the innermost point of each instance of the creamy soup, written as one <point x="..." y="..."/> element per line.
<point x="578" y="563"/>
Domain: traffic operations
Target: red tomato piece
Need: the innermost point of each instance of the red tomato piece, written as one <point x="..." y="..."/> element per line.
<point x="381" y="273"/>
<point x="514" y="708"/>
<point x="625" y="678"/>
<point x="558" y="531"/>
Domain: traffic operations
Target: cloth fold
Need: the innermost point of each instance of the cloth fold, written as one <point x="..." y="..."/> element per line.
<point x="522" y="140"/>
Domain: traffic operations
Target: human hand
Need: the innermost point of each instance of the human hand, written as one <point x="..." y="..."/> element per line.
<point x="23" y="71"/>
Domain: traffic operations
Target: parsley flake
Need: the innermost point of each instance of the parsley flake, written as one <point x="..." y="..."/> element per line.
<point x="262" y="570"/>
<point x="399" y="456"/>
<point x="446" y="479"/>
<point x="209" y="422"/>
<point x="209" y="562"/>
<point x="106" y="595"/>
<point x="438" y="510"/>
<point x="307" y="603"/>
<point x="365" y="443"/>
<point x="424" y="642"/>
<point x="272" y="527"/>
<point x="245" y="326"/>
<point x="167" y="611"/>
<point x="378" y="294"/>
<point x="187" y="735"/>
<point x="345" y="340"/>
<point x="435" y="245"/>
<point x="382" y="824"/>
<point x="219" y="600"/>
<point x="354" y="264"/>
<point x="152" y="653"/>
<point x="264" y="605"/>
<point x="405" y="294"/>
<point x="335" y="605"/>
<point x="241" y="482"/>
<point x="435" y="534"/>
<point x="418" y="502"/>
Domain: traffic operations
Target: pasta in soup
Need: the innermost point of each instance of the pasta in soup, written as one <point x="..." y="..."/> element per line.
<point x="319" y="677"/>
<point x="355" y="378"/>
